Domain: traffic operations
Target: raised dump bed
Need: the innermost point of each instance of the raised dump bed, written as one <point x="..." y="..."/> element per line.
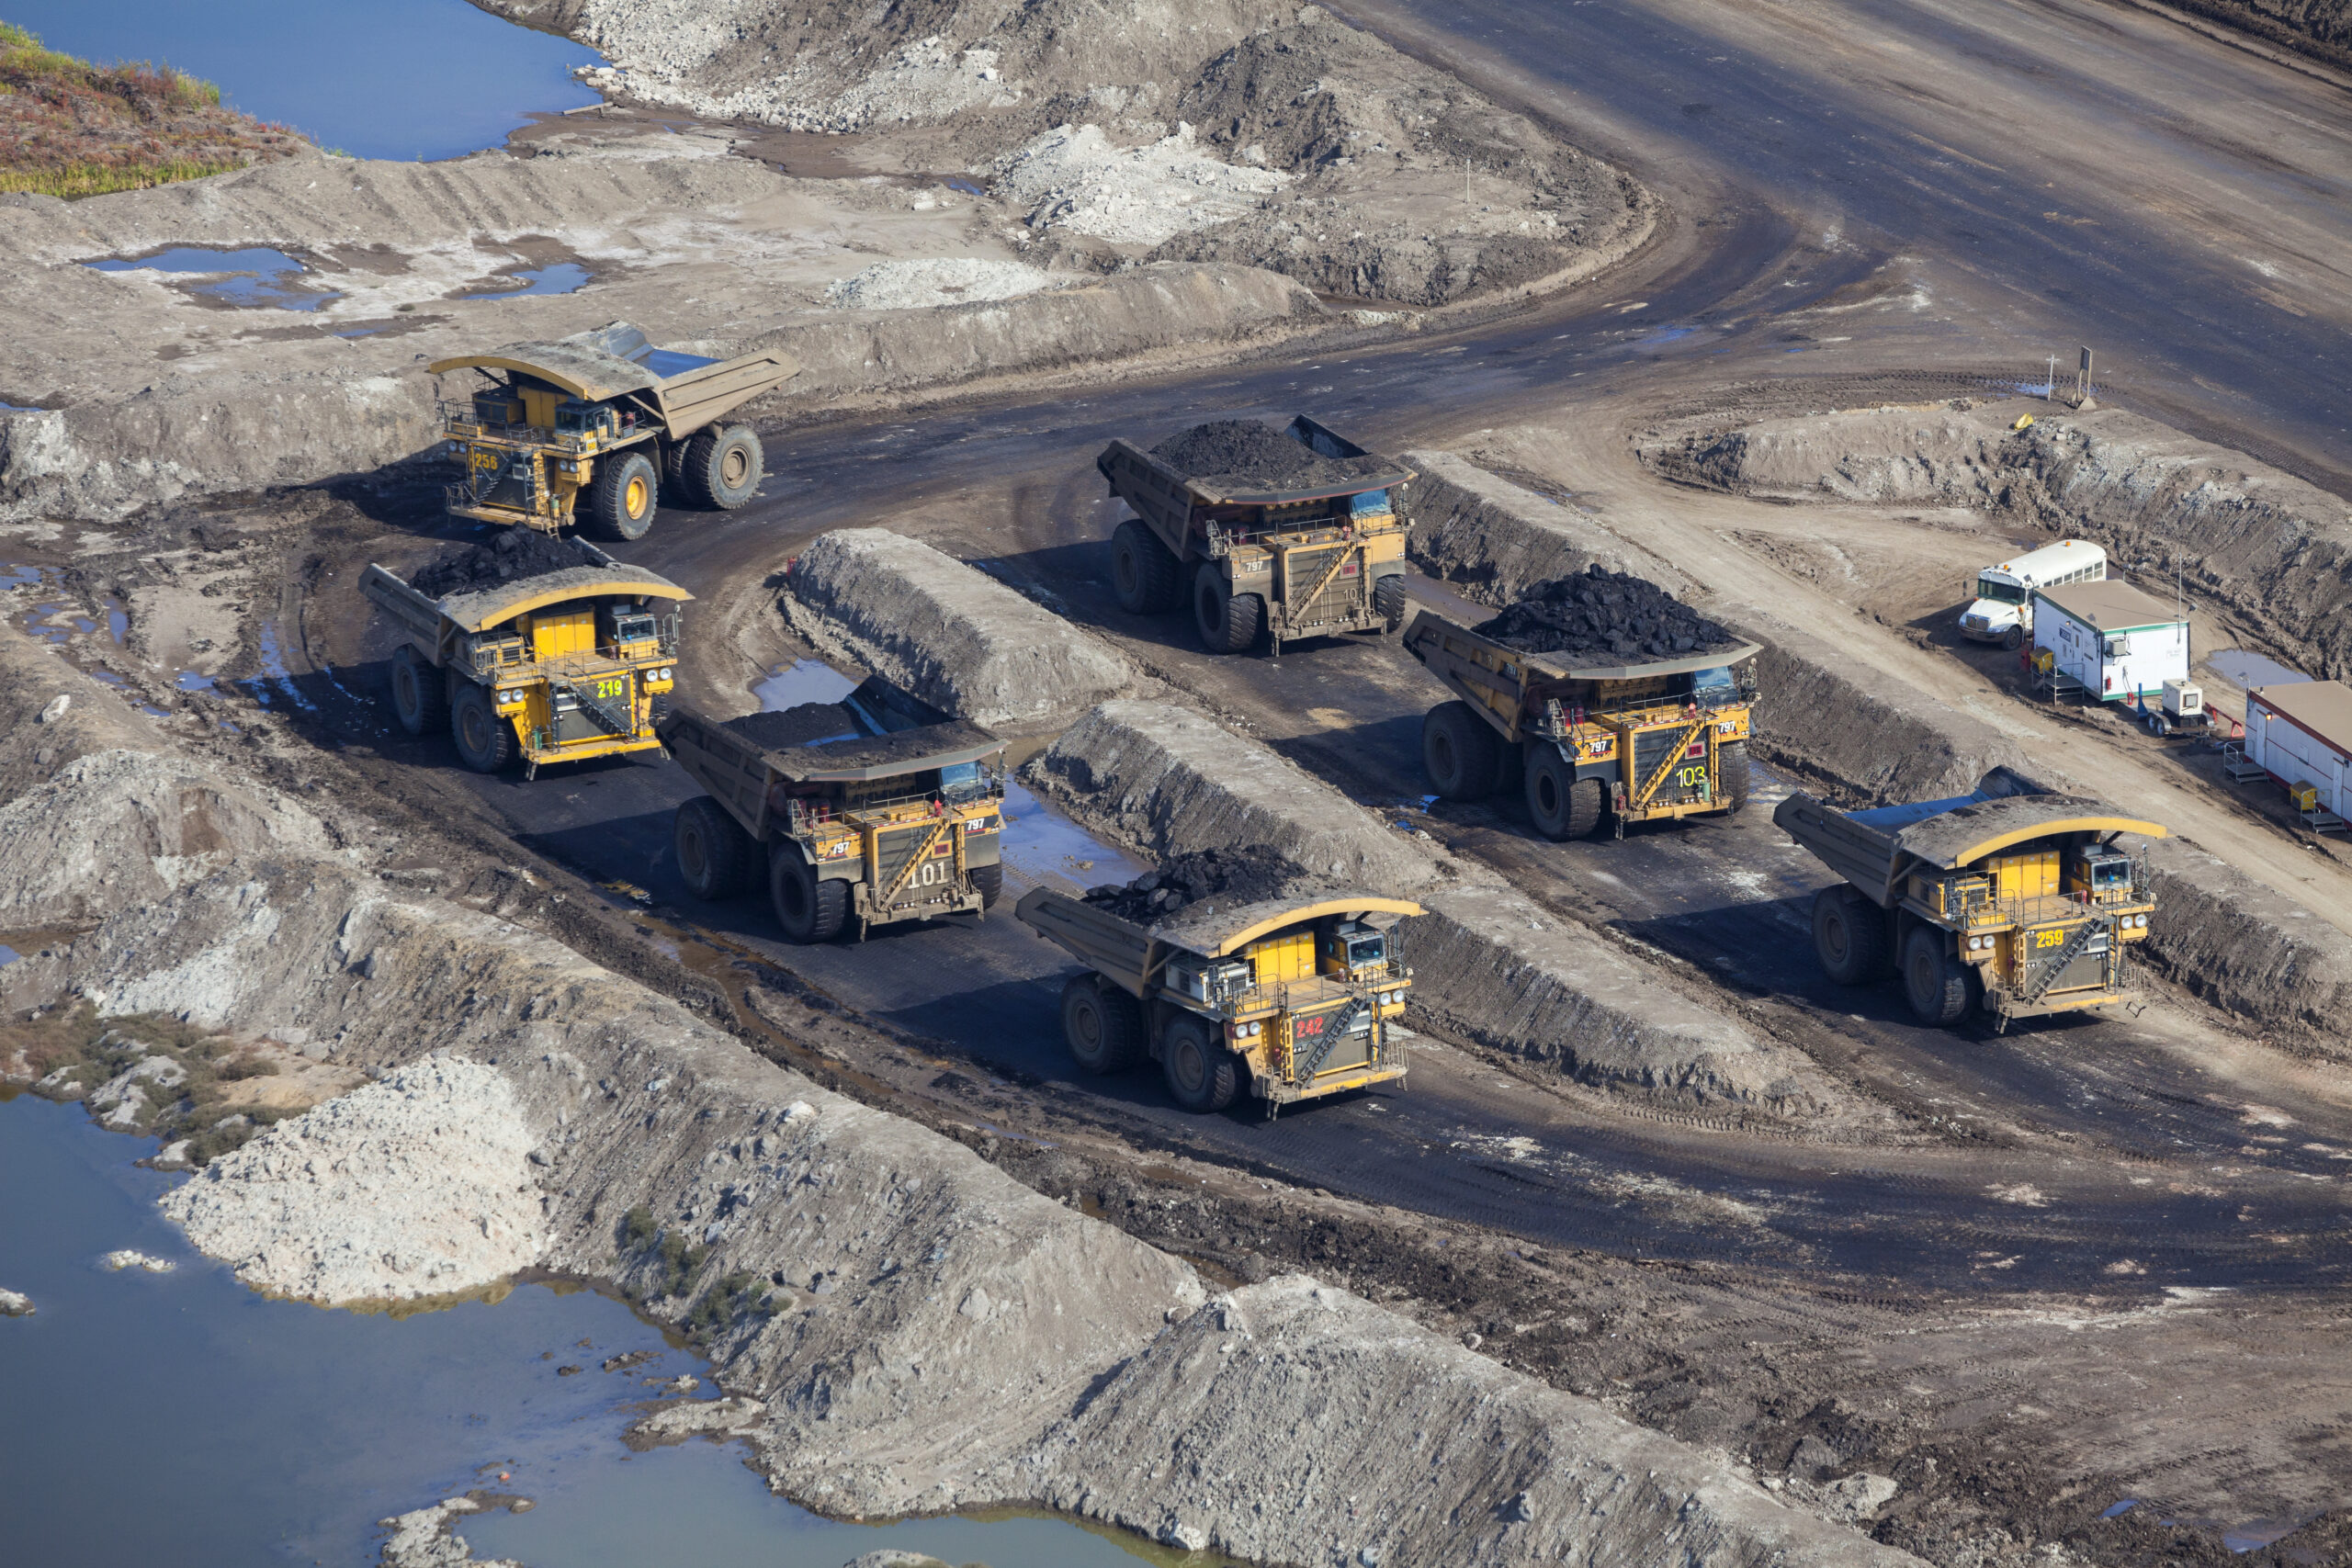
<point x="2016" y="905"/>
<point x="1288" y="534"/>
<point x="584" y="430"/>
<point x="1594" y="741"/>
<point x="862" y="828"/>
<point x="1289" y="997"/>
<point x="557" y="663"/>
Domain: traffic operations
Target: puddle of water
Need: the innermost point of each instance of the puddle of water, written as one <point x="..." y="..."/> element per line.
<point x="275" y="675"/>
<point x="13" y="576"/>
<point x="563" y="278"/>
<point x="265" y="1431"/>
<point x="189" y="680"/>
<point x="1048" y="848"/>
<point x="108" y="678"/>
<point x="2118" y="1510"/>
<point x="253" y="279"/>
<point x="118" y="620"/>
<point x="809" y="681"/>
<point x="966" y="187"/>
<point x="391" y="79"/>
<point x="2249" y="668"/>
<point x="8" y="956"/>
<point x="151" y="711"/>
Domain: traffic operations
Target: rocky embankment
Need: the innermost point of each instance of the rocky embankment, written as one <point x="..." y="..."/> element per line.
<point x="1249" y="131"/>
<point x="901" y="1326"/>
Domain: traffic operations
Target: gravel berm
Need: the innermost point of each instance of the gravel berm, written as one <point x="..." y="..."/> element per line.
<point x="1244" y="875"/>
<point x="514" y="553"/>
<point x="1600" y="610"/>
<point x="1242" y="454"/>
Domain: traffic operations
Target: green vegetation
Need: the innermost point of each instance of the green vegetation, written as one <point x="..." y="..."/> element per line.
<point x="90" y="1050"/>
<point x="72" y="129"/>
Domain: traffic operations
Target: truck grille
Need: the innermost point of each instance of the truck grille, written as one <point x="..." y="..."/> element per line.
<point x="1652" y="748"/>
<point x="1336" y="602"/>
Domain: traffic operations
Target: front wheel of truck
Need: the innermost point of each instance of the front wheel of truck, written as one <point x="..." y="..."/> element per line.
<point x="717" y="860"/>
<point x="1934" y="980"/>
<point x="1731" y="773"/>
<point x="620" y="499"/>
<point x="485" y="741"/>
<point x="987" y="881"/>
<point x="1146" y="576"/>
<point x="1849" y="936"/>
<point x="420" y="693"/>
<point x="809" y="909"/>
<point x="1202" y="1074"/>
<point x="1102" y="1024"/>
<point x="1388" y="599"/>
<point x="1459" y="752"/>
<point x="1227" y="622"/>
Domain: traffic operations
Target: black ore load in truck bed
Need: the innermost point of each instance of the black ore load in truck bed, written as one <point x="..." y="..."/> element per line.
<point x="515" y="552"/>
<point x="1237" y="876"/>
<point x="1603" y="612"/>
<point x="1244" y="455"/>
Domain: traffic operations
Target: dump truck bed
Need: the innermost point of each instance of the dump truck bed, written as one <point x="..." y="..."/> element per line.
<point x="1876" y="850"/>
<point x="1166" y="496"/>
<point x="729" y="760"/>
<point x="1500" y="681"/>
<point x="617" y="362"/>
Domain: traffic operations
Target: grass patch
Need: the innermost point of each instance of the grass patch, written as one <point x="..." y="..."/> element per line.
<point x="91" y="1050"/>
<point x="734" y="1298"/>
<point x="71" y="129"/>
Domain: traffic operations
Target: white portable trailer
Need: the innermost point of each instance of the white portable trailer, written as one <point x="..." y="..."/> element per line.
<point x="2110" y="641"/>
<point x="2301" y="736"/>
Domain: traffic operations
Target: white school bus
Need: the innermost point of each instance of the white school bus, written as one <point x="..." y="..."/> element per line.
<point x="2000" y="606"/>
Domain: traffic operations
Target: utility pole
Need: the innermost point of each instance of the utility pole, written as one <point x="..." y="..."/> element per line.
<point x="2083" y="378"/>
<point x="2050" y="382"/>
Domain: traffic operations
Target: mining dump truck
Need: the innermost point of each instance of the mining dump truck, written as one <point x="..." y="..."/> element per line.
<point x="1292" y="996"/>
<point x="2017" y="904"/>
<point x="1591" y="742"/>
<point x="583" y="430"/>
<point x="1304" y="541"/>
<point x="851" y="828"/>
<point x="559" y="666"/>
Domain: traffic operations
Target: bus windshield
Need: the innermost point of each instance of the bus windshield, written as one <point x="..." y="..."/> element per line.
<point x="1998" y="592"/>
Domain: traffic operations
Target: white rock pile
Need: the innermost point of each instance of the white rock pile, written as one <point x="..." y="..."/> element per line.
<point x="935" y="280"/>
<point x="1072" y="178"/>
<point x="418" y="1185"/>
<point x="16" y="1304"/>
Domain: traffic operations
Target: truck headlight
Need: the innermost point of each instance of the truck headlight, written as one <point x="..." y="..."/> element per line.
<point x="2140" y="920"/>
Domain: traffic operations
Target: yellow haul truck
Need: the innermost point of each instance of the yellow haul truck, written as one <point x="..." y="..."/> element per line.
<point x="556" y="668"/>
<point x="1290" y="997"/>
<point x="583" y="431"/>
<point x="1293" y="564"/>
<point x="1591" y="745"/>
<point x="2017" y="904"/>
<point x="872" y="829"/>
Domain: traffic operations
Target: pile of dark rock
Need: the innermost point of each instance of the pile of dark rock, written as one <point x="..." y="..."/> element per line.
<point x="1244" y="455"/>
<point x="1225" y="877"/>
<point x="514" y="553"/>
<point x="1604" y="613"/>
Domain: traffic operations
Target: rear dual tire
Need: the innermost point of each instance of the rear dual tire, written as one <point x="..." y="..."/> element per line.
<point x="420" y="693"/>
<point x="1849" y="937"/>
<point x="722" y="468"/>
<point x="1146" y="576"/>
<point x="1103" y="1026"/>
<point x="716" y="859"/>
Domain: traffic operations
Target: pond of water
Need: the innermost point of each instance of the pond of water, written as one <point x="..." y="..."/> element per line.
<point x="254" y="276"/>
<point x="389" y="79"/>
<point x="563" y="278"/>
<point x="178" y="1418"/>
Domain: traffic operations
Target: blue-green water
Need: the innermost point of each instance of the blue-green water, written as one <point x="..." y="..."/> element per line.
<point x="181" y="1419"/>
<point x="386" y="79"/>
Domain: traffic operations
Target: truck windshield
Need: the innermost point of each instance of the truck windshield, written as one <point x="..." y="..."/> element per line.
<point x="1370" y="949"/>
<point x="1715" y="682"/>
<point x="963" y="779"/>
<point x="1998" y="592"/>
<point x="1370" y="503"/>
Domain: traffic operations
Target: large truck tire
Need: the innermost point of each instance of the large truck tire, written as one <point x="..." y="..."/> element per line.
<point x="1849" y="936"/>
<point x="420" y="693"/>
<point x="485" y="741"/>
<point x="1459" y="752"/>
<point x="717" y="860"/>
<point x="1201" y="1073"/>
<point x="620" y="499"/>
<point x="1227" y="622"/>
<point x="1102" y="1024"/>
<point x="1388" y="599"/>
<point x="1561" y="805"/>
<point x="1935" y="982"/>
<point x="1731" y="773"/>
<point x="1145" y="574"/>
<point x="809" y="909"/>
<point x="722" y="468"/>
<point x="987" y="881"/>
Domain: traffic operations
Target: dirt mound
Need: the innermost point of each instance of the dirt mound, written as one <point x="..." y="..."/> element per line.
<point x="806" y="725"/>
<point x="1601" y="610"/>
<point x="1238" y="876"/>
<point x="1242" y="454"/>
<point x="517" y="552"/>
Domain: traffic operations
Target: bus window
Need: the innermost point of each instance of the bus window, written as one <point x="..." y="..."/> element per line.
<point x="1998" y="592"/>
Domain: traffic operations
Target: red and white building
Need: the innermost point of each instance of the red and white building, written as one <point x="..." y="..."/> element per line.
<point x="2301" y="736"/>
